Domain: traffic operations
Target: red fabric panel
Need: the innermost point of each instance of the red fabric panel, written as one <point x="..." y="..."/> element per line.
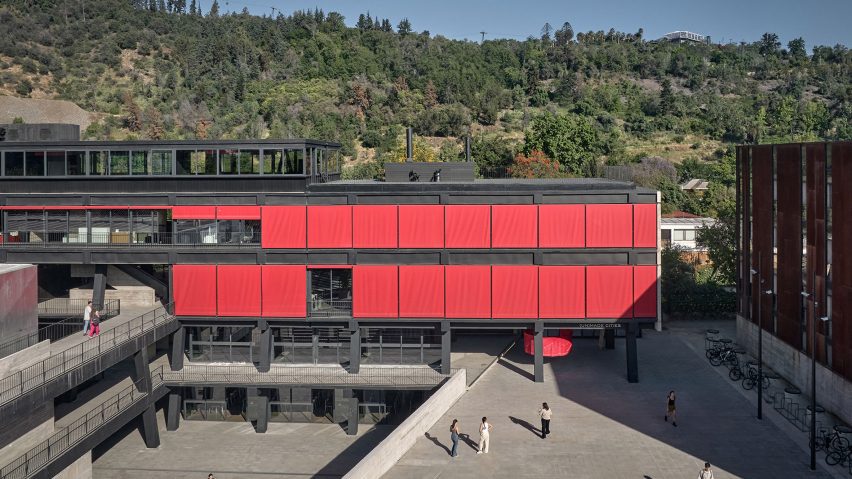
<point x="193" y="212"/>
<point x="283" y="227"/>
<point x="609" y="226"/>
<point x="645" y="226"/>
<point x="374" y="226"/>
<point x="468" y="226"/>
<point x="421" y="291"/>
<point x="330" y="226"/>
<point x="468" y="291"/>
<point x="562" y="292"/>
<point x="421" y="226"/>
<point x="609" y="291"/>
<point x="551" y="346"/>
<point x="194" y="288"/>
<point x="284" y="291"/>
<point x="238" y="212"/>
<point x="238" y="288"/>
<point x="514" y="292"/>
<point x="375" y="292"/>
<point x="561" y="226"/>
<point x="644" y="291"/>
<point x="514" y="226"/>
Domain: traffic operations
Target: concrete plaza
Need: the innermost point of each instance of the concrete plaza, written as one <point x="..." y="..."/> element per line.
<point x="604" y="427"/>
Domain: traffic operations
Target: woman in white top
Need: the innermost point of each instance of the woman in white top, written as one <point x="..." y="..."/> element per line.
<point x="545" y="413"/>
<point x="484" y="429"/>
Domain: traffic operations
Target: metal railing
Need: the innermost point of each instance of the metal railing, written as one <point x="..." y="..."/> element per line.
<point x="125" y="239"/>
<point x="334" y="308"/>
<point x="76" y="356"/>
<point x="56" y="445"/>
<point x="67" y="307"/>
<point x="417" y="376"/>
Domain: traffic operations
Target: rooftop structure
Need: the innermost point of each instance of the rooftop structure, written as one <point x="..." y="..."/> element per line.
<point x="682" y="36"/>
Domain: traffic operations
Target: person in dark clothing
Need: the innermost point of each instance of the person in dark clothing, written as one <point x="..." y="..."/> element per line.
<point x="671" y="410"/>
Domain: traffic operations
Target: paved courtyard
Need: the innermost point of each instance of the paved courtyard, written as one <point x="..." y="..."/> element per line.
<point x="604" y="427"/>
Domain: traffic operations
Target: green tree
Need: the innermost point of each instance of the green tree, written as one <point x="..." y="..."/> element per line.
<point x="796" y="48"/>
<point x="404" y="27"/>
<point x="214" y="9"/>
<point x="769" y="44"/>
<point x="721" y="242"/>
<point x="569" y="139"/>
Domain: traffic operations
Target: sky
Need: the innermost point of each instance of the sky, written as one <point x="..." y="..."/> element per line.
<point x="819" y="22"/>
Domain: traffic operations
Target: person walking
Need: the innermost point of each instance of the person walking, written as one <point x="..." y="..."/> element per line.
<point x="671" y="411"/>
<point x="484" y="433"/>
<point x="706" y="473"/>
<point x="87" y="314"/>
<point x="545" y="413"/>
<point x="95" y="329"/>
<point x="455" y="432"/>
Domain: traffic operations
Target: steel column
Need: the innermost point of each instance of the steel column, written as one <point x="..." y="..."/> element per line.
<point x="354" y="347"/>
<point x="446" y="342"/>
<point x="99" y="286"/>
<point x="177" y="339"/>
<point x="632" y="360"/>
<point x="265" y="350"/>
<point x="173" y="412"/>
<point x="539" y="353"/>
<point x="609" y="339"/>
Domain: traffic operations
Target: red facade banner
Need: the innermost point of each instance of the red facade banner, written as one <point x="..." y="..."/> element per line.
<point x="375" y="292"/>
<point x="421" y="226"/>
<point x="468" y="226"/>
<point x="609" y="292"/>
<point x="330" y="226"/>
<point x="514" y="292"/>
<point x="194" y="288"/>
<point x="283" y="227"/>
<point x="645" y="226"/>
<point x="562" y="226"/>
<point x="468" y="291"/>
<point x="609" y="226"/>
<point x="374" y="226"/>
<point x="238" y="290"/>
<point x="421" y="291"/>
<point x="645" y="291"/>
<point x="562" y="292"/>
<point x="284" y="293"/>
<point x="238" y="212"/>
<point x="193" y="212"/>
<point x="514" y="226"/>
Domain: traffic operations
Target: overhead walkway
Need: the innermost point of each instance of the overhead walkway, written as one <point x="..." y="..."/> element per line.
<point x="90" y="428"/>
<point x="326" y="376"/>
<point x="78" y="358"/>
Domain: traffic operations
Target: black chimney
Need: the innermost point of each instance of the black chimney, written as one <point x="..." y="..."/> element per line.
<point x="409" y="145"/>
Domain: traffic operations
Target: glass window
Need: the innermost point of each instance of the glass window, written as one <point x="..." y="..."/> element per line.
<point x="666" y="235"/>
<point x="119" y="163"/>
<point x="220" y="343"/>
<point x="97" y="162"/>
<point x="331" y="293"/>
<point x="55" y="163"/>
<point x="684" y="235"/>
<point x="204" y="162"/>
<point x="14" y="163"/>
<point x="228" y="161"/>
<point x="309" y="161"/>
<point x="161" y="162"/>
<point x="139" y="163"/>
<point x="184" y="162"/>
<point x="195" y="231"/>
<point x="272" y="160"/>
<point x="249" y="162"/>
<point x="294" y="162"/>
<point x="76" y="163"/>
<point x="34" y="163"/>
<point x="239" y="231"/>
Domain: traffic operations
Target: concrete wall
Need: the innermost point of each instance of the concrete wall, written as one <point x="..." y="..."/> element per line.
<point x="80" y="469"/>
<point x="24" y="358"/>
<point x="398" y="442"/>
<point x="834" y="393"/>
<point x="18" y="300"/>
<point x="122" y="286"/>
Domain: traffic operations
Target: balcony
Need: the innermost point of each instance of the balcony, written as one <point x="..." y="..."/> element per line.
<point x="126" y="239"/>
<point x="319" y="308"/>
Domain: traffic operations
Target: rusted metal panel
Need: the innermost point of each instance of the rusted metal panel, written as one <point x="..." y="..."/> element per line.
<point x="841" y="270"/>
<point x="816" y="241"/>
<point x="762" y="229"/>
<point x="789" y="243"/>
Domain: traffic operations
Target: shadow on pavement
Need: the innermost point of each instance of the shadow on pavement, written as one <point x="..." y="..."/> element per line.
<point x="526" y="425"/>
<point x="515" y="368"/>
<point x="437" y="442"/>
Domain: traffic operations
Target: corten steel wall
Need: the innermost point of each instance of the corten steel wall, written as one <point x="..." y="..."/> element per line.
<point x="799" y="169"/>
<point x="18" y="301"/>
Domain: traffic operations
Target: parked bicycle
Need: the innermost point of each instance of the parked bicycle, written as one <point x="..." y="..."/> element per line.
<point x="835" y="441"/>
<point x="750" y="378"/>
<point x="725" y="356"/>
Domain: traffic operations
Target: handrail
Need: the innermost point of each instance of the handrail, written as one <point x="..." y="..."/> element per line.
<point x="57" y="330"/>
<point x="53" y="447"/>
<point x="248" y="374"/>
<point x="76" y="356"/>
<point x="145" y="240"/>
<point x="74" y="307"/>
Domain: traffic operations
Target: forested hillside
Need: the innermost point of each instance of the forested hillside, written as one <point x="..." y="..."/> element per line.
<point x="161" y="69"/>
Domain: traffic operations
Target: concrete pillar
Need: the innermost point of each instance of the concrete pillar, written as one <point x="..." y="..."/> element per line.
<point x="257" y="410"/>
<point x="609" y="338"/>
<point x="177" y="355"/>
<point x="218" y="393"/>
<point x="632" y="360"/>
<point x="352" y="420"/>
<point x="346" y="410"/>
<point x="354" y="347"/>
<point x="265" y="350"/>
<point x="446" y="339"/>
<point x="149" y="428"/>
<point x="539" y="352"/>
<point x="99" y="286"/>
<point x="173" y="412"/>
<point x="141" y="373"/>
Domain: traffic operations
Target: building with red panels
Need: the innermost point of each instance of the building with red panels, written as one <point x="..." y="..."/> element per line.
<point x="269" y="258"/>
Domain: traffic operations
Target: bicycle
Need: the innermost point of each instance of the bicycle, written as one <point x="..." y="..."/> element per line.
<point x="724" y="355"/>
<point x="750" y="378"/>
<point x="831" y="442"/>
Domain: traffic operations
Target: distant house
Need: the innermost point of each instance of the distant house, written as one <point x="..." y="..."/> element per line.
<point x="695" y="185"/>
<point x="681" y="229"/>
<point x="685" y="37"/>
